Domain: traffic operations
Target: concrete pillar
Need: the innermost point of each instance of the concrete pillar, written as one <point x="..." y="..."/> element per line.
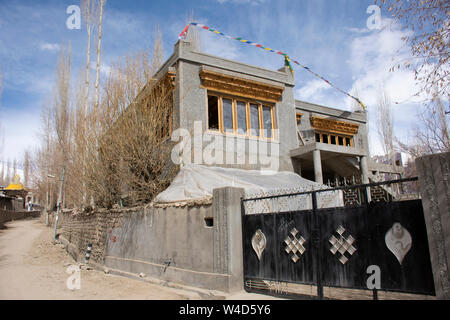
<point x="364" y="170"/>
<point x="228" y="250"/>
<point x="365" y="175"/>
<point x="434" y="183"/>
<point x="317" y="166"/>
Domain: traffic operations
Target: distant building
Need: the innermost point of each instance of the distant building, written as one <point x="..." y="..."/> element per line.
<point x="14" y="195"/>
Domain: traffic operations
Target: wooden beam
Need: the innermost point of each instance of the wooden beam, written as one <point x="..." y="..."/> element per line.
<point x="240" y="87"/>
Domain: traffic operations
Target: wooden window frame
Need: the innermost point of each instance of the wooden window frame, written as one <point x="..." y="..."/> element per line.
<point x="234" y="101"/>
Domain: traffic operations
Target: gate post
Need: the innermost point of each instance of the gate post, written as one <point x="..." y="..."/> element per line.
<point x="316" y="240"/>
<point x="228" y="252"/>
<point x="434" y="183"/>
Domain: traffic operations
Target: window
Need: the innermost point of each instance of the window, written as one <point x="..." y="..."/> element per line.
<point x="298" y="117"/>
<point x="227" y="109"/>
<point x="334" y="139"/>
<point x="229" y="115"/>
<point x="267" y="120"/>
<point x="241" y="117"/>
<point x="213" y="113"/>
<point x="209" y="222"/>
<point x="348" y="142"/>
<point x="254" y="123"/>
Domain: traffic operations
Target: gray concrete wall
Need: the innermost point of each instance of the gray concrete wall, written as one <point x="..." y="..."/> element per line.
<point x="170" y="243"/>
<point x="434" y="182"/>
<point x="175" y="243"/>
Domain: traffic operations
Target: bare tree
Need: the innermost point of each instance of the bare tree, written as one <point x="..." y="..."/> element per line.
<point x="26" y="168"/>
<point x="128" y="137"/>
<point x="8" y="172"/>
<point x="2" y="174"/>
<point x="89" y="11"/>
<point x="2" y="141"/>
<point x="430" y="133"/>
<point x="429" y="20"/>
<point x="76" y="192"/>
<point x="135" y="122"/>
<point x="101" y="5"/>
<point x="61" y="104"/>
<point x="45" y="158"/>
<point x="158" y="51"/>
<point x="14" y="167"/>
<point x="385" y="123"/>
<point x="61" y="116"/>
<point x="89" y="15"/>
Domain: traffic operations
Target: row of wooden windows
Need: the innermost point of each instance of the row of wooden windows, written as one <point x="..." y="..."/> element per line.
<point x="339" y="140"/>
<point x="237" y="116"/>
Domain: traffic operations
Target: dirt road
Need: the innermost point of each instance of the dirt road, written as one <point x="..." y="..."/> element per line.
<point x="31" y="267"/>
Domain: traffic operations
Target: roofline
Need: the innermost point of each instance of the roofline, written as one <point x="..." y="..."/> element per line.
<point x="359" y="116"/>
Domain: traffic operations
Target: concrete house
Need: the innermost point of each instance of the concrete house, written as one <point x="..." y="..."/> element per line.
<point x="234" y="121"/>
<point x="253" y="110"/>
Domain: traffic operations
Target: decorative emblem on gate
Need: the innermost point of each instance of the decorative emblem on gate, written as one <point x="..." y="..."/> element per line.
<point x="294" y="245"/>
<point x="342" y="245"/>
<point x="398" y="240"/>
<point x="259" y="243"/>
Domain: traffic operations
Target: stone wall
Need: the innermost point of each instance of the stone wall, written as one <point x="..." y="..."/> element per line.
<point x="8" y="215"/>
<point x="434" y="184"/>
<point x="84" y="228"/>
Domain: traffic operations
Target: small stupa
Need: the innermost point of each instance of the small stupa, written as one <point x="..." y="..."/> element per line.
<point x="15" y="188"/>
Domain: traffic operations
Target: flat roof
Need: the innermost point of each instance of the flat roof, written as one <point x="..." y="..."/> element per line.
<point x="359" y="116"/>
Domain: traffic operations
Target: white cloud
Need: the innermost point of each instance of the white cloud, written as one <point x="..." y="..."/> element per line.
<point x="372" y="56"/>
<point x="219" y="46"/>
<point x="50" y="47"/>
<point x="20" y="128"/>
<point x="311" y="89"/>
<point x="358" y="30"/>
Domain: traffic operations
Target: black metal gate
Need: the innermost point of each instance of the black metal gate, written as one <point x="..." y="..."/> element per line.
<point x="301" y="252"/>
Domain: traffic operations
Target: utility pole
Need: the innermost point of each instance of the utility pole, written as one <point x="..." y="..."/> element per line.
<point x="59" y="200"/>
<point x="48" y="196"/>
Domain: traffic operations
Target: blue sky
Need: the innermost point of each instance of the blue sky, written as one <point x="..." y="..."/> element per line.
<point x="329" y="36"/>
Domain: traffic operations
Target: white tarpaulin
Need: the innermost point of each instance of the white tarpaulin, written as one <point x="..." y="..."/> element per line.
<point x="197" y="182"/>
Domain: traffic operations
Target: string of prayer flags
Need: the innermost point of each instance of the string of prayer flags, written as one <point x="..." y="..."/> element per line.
<point x="287" y="60"/>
